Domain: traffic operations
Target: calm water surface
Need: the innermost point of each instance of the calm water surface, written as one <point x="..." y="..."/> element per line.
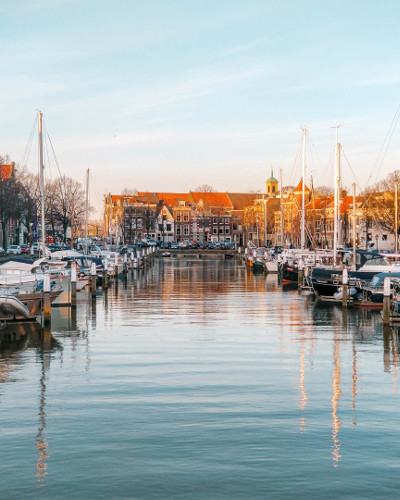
<point x="197" y="379"/>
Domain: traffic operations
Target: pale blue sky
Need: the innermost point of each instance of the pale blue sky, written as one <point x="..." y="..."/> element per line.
<point x="167" y="95"/>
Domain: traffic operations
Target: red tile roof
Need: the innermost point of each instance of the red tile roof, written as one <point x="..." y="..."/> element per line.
<point x="211" y="199"/>
<point x="6" y="171"/>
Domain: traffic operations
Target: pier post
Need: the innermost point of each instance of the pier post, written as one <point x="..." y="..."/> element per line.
<point x="386" y="301"/>
<point x="116" y="266"/>
<point x="125" y="264"/>
<point x="300" y="275"/>
<point x="345" y="281"/>
<point x="93" y="277"/>
<point x="73" y="284"/>
<point x="131" y="262"/>
<point x="105" y="278"/>
<point x="46" y="300"/>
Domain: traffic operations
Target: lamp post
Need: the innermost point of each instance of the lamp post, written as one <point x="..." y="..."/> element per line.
<point x="265" y="223"/>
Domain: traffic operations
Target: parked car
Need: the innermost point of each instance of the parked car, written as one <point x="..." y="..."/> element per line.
<point x="14" y="250"/>
<point x="174" y="246"/>
<point x="25" y="248"/>
<point x="35" y="247"/>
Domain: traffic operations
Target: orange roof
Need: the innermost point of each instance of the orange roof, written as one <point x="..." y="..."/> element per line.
<point x="240" y="200"/>
<point x="319" y="203"/>
<point x="170" y="199"/>
<point x="211" y="199"/>
<point x="300" y="187"/>
<point x="6" y="171"/>
<point x="347" y="204"/>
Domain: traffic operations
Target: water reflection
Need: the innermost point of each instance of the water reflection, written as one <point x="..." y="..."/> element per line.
<point x="205" y="346"/>
<point x="16" y="338"/>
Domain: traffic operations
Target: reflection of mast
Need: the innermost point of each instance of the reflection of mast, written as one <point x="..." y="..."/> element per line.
<point x="335" y="401"/>
<point x="303" y="392"/>
<point x="42" y="444"/>
<point x="395" y="360"/>
<point x="354" y="382"/>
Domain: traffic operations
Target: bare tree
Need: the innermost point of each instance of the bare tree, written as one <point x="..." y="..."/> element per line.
<point x="129" y="192"/>
<point x="323" y="190"/>
<point x="204" y="188"/>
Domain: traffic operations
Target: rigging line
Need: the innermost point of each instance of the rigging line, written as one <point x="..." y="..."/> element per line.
<point x="352" y="171"/>
<point x="48" y="159"/>
<point x="388" y="144"/>
<point x="61" y="184"/>
<point x="29" y="143"/>
<point x="394" y="120"/>
<point x="296" y="162"/>
<point x="54" y="153"/>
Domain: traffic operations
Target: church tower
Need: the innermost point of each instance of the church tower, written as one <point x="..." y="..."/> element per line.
<point x="271" y="185"/>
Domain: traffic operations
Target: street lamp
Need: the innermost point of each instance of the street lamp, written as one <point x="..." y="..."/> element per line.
<point x="265" y="223"/>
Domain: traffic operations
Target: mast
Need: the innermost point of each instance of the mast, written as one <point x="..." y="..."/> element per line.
<point x="87" y="210"/>
<point x="354" y="226"/>
<point x="72" y="223"/>
<point x="41" y="174"/>
<point x="280" y="176"/>
<point x="303" y="194"/>
<point x="265" y="223"/>
<point x="396" y="237"/>
<point x="336" y="197"/>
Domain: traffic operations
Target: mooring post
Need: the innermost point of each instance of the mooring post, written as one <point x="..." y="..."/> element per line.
<point x="73" y="284"/>
<point x="116" y="266"/>
<point x="93" y="275"/>
<point x="125" y="264"/>
<point x="345" y="281"/>
<point x="105" y="278"/>
<point x="46" y="300"/>
<point x="386" y="301"/>
<point x="300" y="274"/>
<point x="131" y="262"/>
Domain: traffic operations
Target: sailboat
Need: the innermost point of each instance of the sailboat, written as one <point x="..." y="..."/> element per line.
<point x="361" y="265"/>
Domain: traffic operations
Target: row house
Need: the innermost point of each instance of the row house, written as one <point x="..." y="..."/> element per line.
<point x="192" y="216"/>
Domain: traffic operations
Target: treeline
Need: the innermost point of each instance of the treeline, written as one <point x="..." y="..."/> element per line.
<point x="20" y="202"/>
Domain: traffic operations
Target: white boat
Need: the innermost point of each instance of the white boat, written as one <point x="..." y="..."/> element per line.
<point x="17" y="305"/>
<point x="11" y="307"/>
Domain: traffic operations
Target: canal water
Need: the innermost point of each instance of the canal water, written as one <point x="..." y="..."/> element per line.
<point x="197" y="379"/>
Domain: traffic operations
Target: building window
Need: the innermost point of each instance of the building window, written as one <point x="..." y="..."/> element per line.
<point x="168" y="227"/>
<point x="214" y="220"/>
<point x="227" y="230"/>
<point x="186" y="230"/>
<point x="384" y="237"/>
<point x="178" y="230"/>
<point x="221" y="230"/>
<point x="215" y="230"/>
<point x="185" y="218"/>
<point x="273" y="189"/>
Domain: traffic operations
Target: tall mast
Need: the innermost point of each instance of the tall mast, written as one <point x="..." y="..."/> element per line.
<point x="303" y="194"/>
<point x="396" y="238"/>
<point x="87" y="210"/>
<point x="280" y="176"/>
<point x="354" y="226"/>
<point x="41" y="170"/>
<point x="72" y="223"/>
<point x="337" y="195"/>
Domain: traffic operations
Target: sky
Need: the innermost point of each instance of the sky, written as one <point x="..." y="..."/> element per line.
<point x="167" y="95"/>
